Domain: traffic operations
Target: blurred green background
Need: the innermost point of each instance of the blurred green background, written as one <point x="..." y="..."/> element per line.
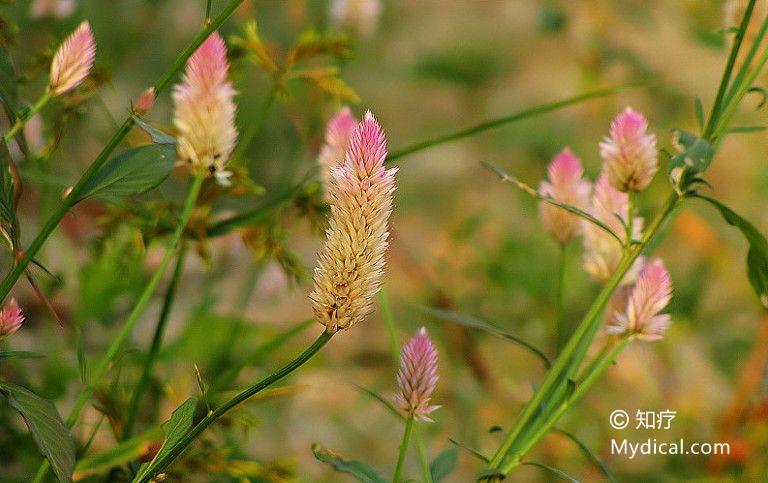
<point x="461" y="240"/>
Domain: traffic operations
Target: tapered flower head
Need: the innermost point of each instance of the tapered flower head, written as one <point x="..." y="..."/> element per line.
<point x="417" y="376"/>
<point x="649" y="296"/>
<point x="205" y="111"/>
<point x="350" y="267"/>
<point x="337" y="134"/>
<point x="73" y="61"/>
<point x="566" y="185"/>
<point x="629" y="153"/>
<point x="602" y="252"/>
<point x="11" y="318"/>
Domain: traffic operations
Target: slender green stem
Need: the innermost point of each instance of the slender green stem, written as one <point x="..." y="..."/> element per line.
<point x="164" y="81"/>
<point x="19" y="124"/>
<point x="389" y="321"/>
<point x="560" y="324"/>
<point x="178" y="448"/>
<point x="484" y="126"/>
<point x="741" y="90"/>
<point x="423" y="458"/>
<point x="138" y="308"/>
<point x="716" y="106"/>
<point x="403" y="450"/>
<point x="157" y="343"/>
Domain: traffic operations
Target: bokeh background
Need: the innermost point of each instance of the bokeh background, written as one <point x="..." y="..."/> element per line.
<point x="462" y="241"/>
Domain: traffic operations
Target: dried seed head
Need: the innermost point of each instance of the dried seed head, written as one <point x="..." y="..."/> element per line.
<point x="602" y="252"/>
<point x="642" y="314"/>
<point x="566" y="185"/>
<point x="417" y="376"/>
<point x="350" y="267"/>
<point x="205" y="111"/>
<point x="337" y="134"/>
<point x="73" y="61"/>
<point x="629" y="154"/>
<point x="11" y="318"/>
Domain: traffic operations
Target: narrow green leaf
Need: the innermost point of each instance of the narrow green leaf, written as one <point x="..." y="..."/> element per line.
<point x="48" y="430"/>
<point x="476" y="323"/>
<point x="9" y="94"/>
<point x="745" y="129"/>
<point x="562" y="474"/>
<point x="699" y="113"/>
<point x="470" y="450"/>
<point x="20" y="355"/>
<point x="158" y="137"/>
<point x="757" y="258"/>
<point x="132" y="172"/>
<point x="444" y="463"/>
<point x="361" y="471"/>
<point x="378" y="397"/>
<point x="175" y="429"/>
<point x="589" y="454"/>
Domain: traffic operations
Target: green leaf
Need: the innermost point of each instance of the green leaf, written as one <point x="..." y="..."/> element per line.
<point x="20" y="355"/>
<point x="378" y="397"/>
<point x="699" y="113"/>
<point x="47" y="428"/>
<point x="158" y="137"/>
<point x="475" y="323"/>
<point x="175" y="429"/>
<point x="470" y="450"/>
<point x="694" y="157"/>
<point x="562" y="474"/>
<point x="746" y="129"/>
<point x="134" y="171"/>
<point x="118" y="455"/>
<point x="9" y="93"/>
<point x="444" y="463"/>
<point x="757" y="258"/>
<point x="358" y="469"/>
<point x="589" y="454"/>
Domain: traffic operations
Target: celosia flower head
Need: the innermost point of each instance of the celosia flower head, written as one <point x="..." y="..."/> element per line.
<point x="350" y="267"/>
<point x="361" y="16"/>
<point x="602" y="252"/>
<point x="417" y="376"/>
<point x="73" y="61"/>
<point x="629" y="153"/>
<point x="11" y="319"/>
<point x="337" y="134"/>
<point x="205" y="111"/>
<point x="650" y="295"/>
<point x="566" y="185"/>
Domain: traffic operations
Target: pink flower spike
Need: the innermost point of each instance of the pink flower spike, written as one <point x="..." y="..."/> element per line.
<point x="650" y="295"/>
<point x="629" y="154"/>
<point x="73" y="61"/>
<point x="337" y="134"/>
<point x="204" y="112"/>
<point x="417" y="376"/>
<point x="11" y="319"/>
<point x="565" y="185"/>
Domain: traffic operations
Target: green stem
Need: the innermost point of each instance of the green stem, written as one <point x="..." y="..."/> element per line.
<point x="729" y="110"/>
<point x="484" y="126"/>
<point x="560" y="325"/>
<point x="423" y="459"/>
<point x="252" y="127"/>
<point x="389" y="321"/>
<point x="20" y="122"/>
<point x="403" y="450"/>
<point x="569" y="359"/>
<point x="127" y="328"/>
<point x="164" y="81"/>
<point x="178" y="448"/>
<point x="157" y="343"/>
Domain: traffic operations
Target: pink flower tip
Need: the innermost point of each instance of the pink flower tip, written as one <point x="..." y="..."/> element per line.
<point x="564" y="184"/>
<point x="11" y="318"/>
<point x="73" y="60"/>
<point x="417" y="376"/>
<point x="340" y="126"/>
<point x="565" y="168"/>
<point x="208" y="66"/>
<point x="650" y="295"/>
<point x="145" y="101"/>
<point x="367" y="146"/>
<point x="629" y="153"/>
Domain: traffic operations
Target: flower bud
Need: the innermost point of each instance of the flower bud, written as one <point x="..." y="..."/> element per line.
<point x="145" y="102"/>
<point x="566" y="185"/>
<point x="417" y="376"/>
<point x="73" y="61"/>
<point x="629" y="154"/>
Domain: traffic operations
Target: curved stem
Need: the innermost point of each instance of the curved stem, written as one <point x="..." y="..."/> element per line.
<point x="560" y="325"/>
<point x="176" y="450"/>
<point x="157" y="343"/>
<point x="165" y="79"/>
<point x="130" y="322"/>
<point x="21" y="121"/>
<point x="403" y="450"/>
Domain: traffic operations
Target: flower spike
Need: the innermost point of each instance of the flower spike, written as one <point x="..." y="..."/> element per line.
<point x="73" y="61"/>
<point x="650" y="295"/>
<point x="566" y="185"/>
<point x="417" y="376"/>
<point x="11" y="319"/>
<point x="629" y="154"/>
